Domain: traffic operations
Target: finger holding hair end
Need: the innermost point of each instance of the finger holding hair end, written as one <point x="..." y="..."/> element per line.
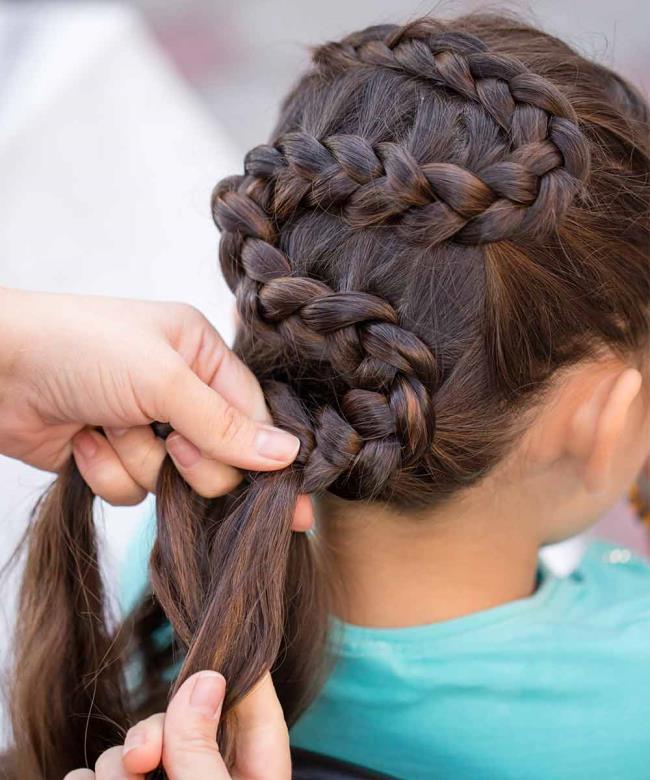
<point x="103" y="470"/>
<point x="122" y="466"/>
<point x="183" y="740"/>
<point x="210" y="478"/>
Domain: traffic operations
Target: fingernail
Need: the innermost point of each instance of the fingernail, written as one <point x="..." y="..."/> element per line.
<point x="85" y="444"/>
<point x="117" y="432"/>
<point x="207" y="694"/>
<point x="183" y="451"/>
<point x="134" y="739"/>
<point x="275" y="444"/>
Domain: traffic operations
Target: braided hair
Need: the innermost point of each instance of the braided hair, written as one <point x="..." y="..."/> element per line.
<point x="447" y="213"/>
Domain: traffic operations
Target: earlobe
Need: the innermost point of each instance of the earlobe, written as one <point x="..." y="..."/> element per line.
<point x="608" y="420"/>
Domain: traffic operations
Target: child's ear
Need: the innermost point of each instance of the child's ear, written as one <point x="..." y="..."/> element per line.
<point x="597" y="424"/>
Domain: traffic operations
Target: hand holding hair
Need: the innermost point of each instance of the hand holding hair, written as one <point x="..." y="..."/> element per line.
<point x="184" y="738"/>
<point x="72" y="364"/>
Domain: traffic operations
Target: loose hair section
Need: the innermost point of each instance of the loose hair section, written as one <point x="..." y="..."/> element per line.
<point x="67" y="699"/>
<point x="232" y="578"/>
<point x="236" y="584"/>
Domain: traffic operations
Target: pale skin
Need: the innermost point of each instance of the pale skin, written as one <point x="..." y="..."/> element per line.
<point x="183" y="739"/>
<point x="70" y="364"/>
<point x="77" y="363"/>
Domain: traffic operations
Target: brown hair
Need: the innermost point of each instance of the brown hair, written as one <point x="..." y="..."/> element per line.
<point x="447" y="213"/>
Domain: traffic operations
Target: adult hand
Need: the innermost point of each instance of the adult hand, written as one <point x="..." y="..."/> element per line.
<point x="70" y="364"/>
<point x="184" y="738"/>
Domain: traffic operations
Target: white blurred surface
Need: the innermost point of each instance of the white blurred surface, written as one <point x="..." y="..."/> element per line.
<point x="243" y="56"/>
<point x="106" y="167"/>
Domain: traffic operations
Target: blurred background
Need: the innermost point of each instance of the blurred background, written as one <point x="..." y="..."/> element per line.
<point x="116" y="119"/>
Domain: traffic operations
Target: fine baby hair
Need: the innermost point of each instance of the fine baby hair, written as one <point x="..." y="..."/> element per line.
<point x="446" y="215"/>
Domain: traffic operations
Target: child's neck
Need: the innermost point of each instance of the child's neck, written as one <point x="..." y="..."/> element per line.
<point x="398" y="571"/>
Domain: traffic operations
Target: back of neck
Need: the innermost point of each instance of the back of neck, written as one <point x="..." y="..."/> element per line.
<point x="398" y="570"/>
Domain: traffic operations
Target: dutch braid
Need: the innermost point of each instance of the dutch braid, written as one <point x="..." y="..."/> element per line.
<point x="390" y="371"/>
<point x="522" y="195"/>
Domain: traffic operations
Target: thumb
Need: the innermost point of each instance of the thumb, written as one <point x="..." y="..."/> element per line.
<point x="190" y="749"/>
<point x="219" y="429"/>
<point x="262" y="737"/>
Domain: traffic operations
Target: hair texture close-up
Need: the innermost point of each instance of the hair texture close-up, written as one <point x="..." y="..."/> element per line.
<point x="447" y="213"/>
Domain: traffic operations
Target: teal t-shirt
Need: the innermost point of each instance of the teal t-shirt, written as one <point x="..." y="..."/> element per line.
<point x="556" y="685"/>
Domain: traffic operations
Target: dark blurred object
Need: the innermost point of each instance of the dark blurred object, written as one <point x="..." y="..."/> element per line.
<point x="162" y="430"/>
<point x="314" y="766"/>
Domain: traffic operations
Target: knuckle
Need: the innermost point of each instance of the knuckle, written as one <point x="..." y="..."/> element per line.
<point x="230" y="427"/>
<point x="172" y="377"/>
<point x="149" y="455"/>
<point x="171" y="309"/>
<point x="127" y="498"/>
<point x="196" y="317"/>
<point x="133" y="731"/>
<point x="143" y="463"/>
<point x="154" y="720"/>
<point x="154" y="723"/>
<point x="188" y="311"/>
<point x="217" y="482"/>
<point x="189" y="745"/>
<point x="167" y="383"/>
<point x="114" y="486"/>
<point x="105" y="766"/>
<point x="185" y="315"/>
<point x="96" y="480"/>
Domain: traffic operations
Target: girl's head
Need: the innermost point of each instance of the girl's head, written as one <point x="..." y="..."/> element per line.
<point x="441" y="268"/>
<point x="447" y="231"/>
